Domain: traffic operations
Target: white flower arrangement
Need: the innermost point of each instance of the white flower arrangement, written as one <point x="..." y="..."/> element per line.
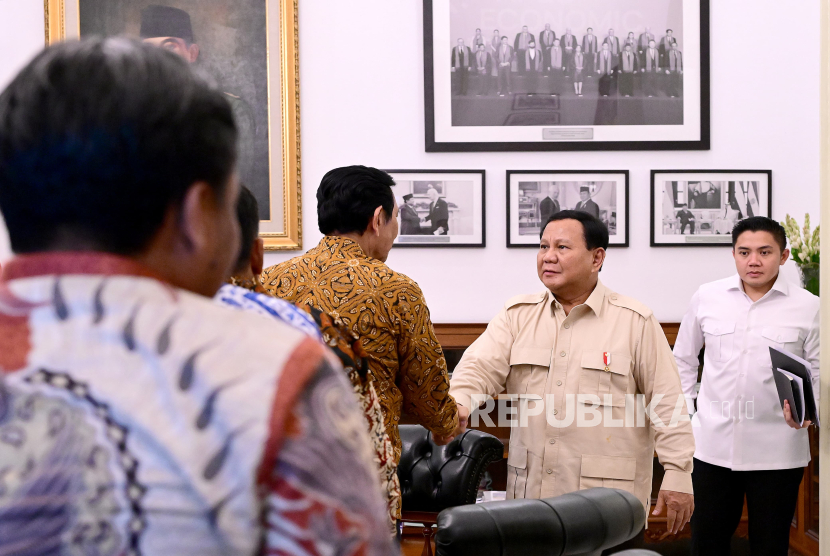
<point x="804" y="245"/>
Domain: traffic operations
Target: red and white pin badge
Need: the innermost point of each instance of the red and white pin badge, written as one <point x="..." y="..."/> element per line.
<point x="606" y="358"/>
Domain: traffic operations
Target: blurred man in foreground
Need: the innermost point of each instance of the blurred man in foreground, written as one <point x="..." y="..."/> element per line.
<point x="145" y="418"/>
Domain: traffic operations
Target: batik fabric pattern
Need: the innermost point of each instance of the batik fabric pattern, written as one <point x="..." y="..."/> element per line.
<point x="388" y="313"/>
<point x="136" y="418"/>
<point x="346" y="346"/>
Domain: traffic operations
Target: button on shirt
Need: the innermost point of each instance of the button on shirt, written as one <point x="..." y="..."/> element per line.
<point x="532" y="348"/>
<point x="739" y="422"/>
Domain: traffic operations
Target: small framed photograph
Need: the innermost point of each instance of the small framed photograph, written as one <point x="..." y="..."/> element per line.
<point x="695" y="208"/>
<point x="533" y="196"/>
<point x="440" y="208"/>
<point x="560" y="75"/>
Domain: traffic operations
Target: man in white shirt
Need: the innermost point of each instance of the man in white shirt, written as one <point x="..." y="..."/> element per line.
<point x="744" y="446"/>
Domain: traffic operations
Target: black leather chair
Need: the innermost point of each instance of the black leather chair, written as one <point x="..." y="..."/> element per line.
<point x="580" y="523"/>
<point x="434" y="478"/>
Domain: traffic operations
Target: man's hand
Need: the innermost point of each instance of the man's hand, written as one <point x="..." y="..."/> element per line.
<point x="788" y="416"/>
<point x="679" y="506"/>
<point x="463" y="417"/>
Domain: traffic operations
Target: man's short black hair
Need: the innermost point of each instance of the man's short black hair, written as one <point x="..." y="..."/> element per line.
<point x="760" y="224"/>
<point x="348" y="196"/>
<point x="247" y="212"/>
<point x="99" y="138"/>
<point x="595" y="232"/>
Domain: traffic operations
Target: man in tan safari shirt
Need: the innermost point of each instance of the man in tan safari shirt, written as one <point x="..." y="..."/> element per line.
<point x="598" y="389"/>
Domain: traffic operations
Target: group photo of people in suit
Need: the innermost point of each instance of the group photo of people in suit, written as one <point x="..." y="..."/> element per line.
<point x="544" y="64"/>
<point x="608" y="70"/>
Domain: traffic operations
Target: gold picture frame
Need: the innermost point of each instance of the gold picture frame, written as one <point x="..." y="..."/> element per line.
<point x="284" y="229"/>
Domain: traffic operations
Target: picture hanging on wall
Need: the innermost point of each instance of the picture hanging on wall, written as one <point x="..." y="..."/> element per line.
<point x="697" y="208"/>
<point x="439" y="208"/>
<point x="533" y="196"/>
<point x="249" y="49"/>
<point x="557" y="75"/>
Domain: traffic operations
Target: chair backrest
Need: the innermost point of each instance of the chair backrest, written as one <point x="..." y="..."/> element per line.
<point x="578" y="523"/>
<point x="433" y="477"/>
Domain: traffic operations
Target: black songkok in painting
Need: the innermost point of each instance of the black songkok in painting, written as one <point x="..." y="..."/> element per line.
<point x="165" y="21"/>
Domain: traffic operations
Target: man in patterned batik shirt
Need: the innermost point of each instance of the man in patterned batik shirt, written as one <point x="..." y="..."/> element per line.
<point x="138" y="416"/>
<point x="245" y="292"/>
<point x="346" y="277"/>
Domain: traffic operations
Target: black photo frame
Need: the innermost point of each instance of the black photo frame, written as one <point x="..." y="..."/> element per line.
<point x="524" y="205"/>
<point x="542" y="121"/>
<point x="698" y="208"/>
<point x="463" y="192"/>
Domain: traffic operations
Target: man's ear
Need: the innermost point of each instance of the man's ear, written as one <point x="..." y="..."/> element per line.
<point x="599" y="258"/>
<point x="193" y="52"/>
<point x="377" y="221"/>
<point x="195" y="217"/>
<point x="257" y="256"/>
<point x="785" y="255"/>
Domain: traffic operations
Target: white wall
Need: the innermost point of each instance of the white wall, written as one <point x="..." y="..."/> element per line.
<point x="361" y="82"/>
<point x="21" y="36"/>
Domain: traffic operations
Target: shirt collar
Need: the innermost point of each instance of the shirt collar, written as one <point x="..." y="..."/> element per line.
<point x="780" y="284"/>
<point x="347" y="246"/>
<point x="74" y="262"/>
<point x="594" y="301"/>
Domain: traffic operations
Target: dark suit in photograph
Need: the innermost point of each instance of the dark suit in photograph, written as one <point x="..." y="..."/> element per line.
<point x="460" y="62"/>
<point x="504" y="60"/>
<point x="588" y="206"/>
<point x="606" y="69"/>
<point x="547" y="208"/>
<point x="686" y="218"/>
<point x="651" y="65"/>
<point x="614" y="44"/>
<point x="483" y="67"/>
<point x="558" y="68"/>
<point x="629" y="66"/>
<point x="590" y="46"/>
<point x="675" y="68"/>
<point x="568" y="44"/>
<point x="665" y="47"/>
<point x="534" y="66"/>
<point x="520" y="45"/>
<point x="546" y="38"/>
<point x="439" y="216"/>
<point x="410" y="221"/>
<point x="642" y="45"/>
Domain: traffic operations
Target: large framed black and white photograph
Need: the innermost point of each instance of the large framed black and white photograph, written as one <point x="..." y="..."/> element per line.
<point x="534" y="196"/>
<point x="694" y="208"/>
<point x="440" y="208"/>
<point x="535" y="75"/>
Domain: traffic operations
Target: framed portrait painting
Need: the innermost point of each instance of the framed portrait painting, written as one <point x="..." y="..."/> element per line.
<point x="533" y="196"/>
<point x="559" y="75"/>
<point x="248" y="48"/>
<point x="440" y="208"/>
<point x="696" y="208"/>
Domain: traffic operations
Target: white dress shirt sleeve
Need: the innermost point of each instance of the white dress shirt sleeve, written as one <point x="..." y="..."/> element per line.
<point x="812" y="354"/>
<point x="687" y="349"/>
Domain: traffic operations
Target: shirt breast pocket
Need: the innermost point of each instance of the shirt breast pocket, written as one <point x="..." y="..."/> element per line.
<point x="781" y="338"/>
<point x="609" y="385"/>
<point x="528" y="370"/>
<point x="719" y="338"/>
